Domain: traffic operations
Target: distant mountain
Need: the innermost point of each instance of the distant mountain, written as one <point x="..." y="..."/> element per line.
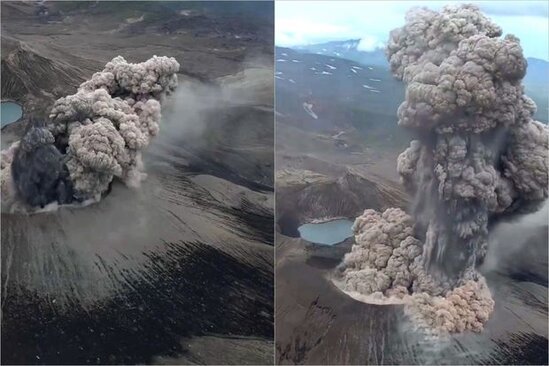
<point x="536" y="85"/>
<point x="325" y="94"/>
<point x="349" y="50"/>
<point x="536" y="81"/>
<point x="538" y="71"/>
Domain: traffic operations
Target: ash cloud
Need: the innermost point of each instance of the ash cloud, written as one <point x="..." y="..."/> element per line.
<point x="38" y="170"/>
<point x="91" y="137"/>
<point x="479" y="156"/>
<point x="194" y="103"/>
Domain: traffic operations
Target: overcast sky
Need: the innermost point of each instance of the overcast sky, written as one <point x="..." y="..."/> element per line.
<point x="309" y="22"/>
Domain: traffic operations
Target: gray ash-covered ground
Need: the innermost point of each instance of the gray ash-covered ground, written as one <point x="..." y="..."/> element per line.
<point x="317" y="323"/>
<point x="163" y="273"/>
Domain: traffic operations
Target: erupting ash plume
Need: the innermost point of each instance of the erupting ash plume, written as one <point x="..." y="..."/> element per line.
<point x="92" y="137"/>
<point x="479" y="156"/>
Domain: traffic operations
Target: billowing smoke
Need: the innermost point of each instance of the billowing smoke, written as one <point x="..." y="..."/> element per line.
<point x="387" y="263"/>
<point x="92" y="137"/>
<point x="7" y="184"/>
<point x="479" y="156"/>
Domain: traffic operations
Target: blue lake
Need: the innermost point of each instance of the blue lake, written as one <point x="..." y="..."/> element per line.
<point x="10" y="112"/>
<point x="329" y="233"/>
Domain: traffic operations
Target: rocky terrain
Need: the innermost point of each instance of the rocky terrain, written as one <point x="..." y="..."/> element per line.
<point x="316" y="323"/>
<point x="305" y="196"/>
<point x="185" y="263"/>
<point x="319" y="324"/>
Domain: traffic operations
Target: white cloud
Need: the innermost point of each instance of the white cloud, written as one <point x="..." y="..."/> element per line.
<point x="369" y="43"/>
<point x="300" y="31"/>
<point x="308" y="22"/>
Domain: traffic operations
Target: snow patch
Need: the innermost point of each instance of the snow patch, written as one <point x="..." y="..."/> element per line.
<point x="308" y="107"/>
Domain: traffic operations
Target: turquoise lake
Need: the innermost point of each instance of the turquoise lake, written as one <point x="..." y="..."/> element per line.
<point x="10" y="113"/>
<point x="328" y="233"/>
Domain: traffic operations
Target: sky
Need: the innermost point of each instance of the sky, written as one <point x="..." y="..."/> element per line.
<point x="310" y="22"/>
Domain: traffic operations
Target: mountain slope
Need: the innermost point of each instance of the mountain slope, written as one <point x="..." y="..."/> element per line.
<point x="536" y="81"/>
<point x="27" y="73"/>
<point x="349" y="49"/>
<point x="331" y="95"/>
